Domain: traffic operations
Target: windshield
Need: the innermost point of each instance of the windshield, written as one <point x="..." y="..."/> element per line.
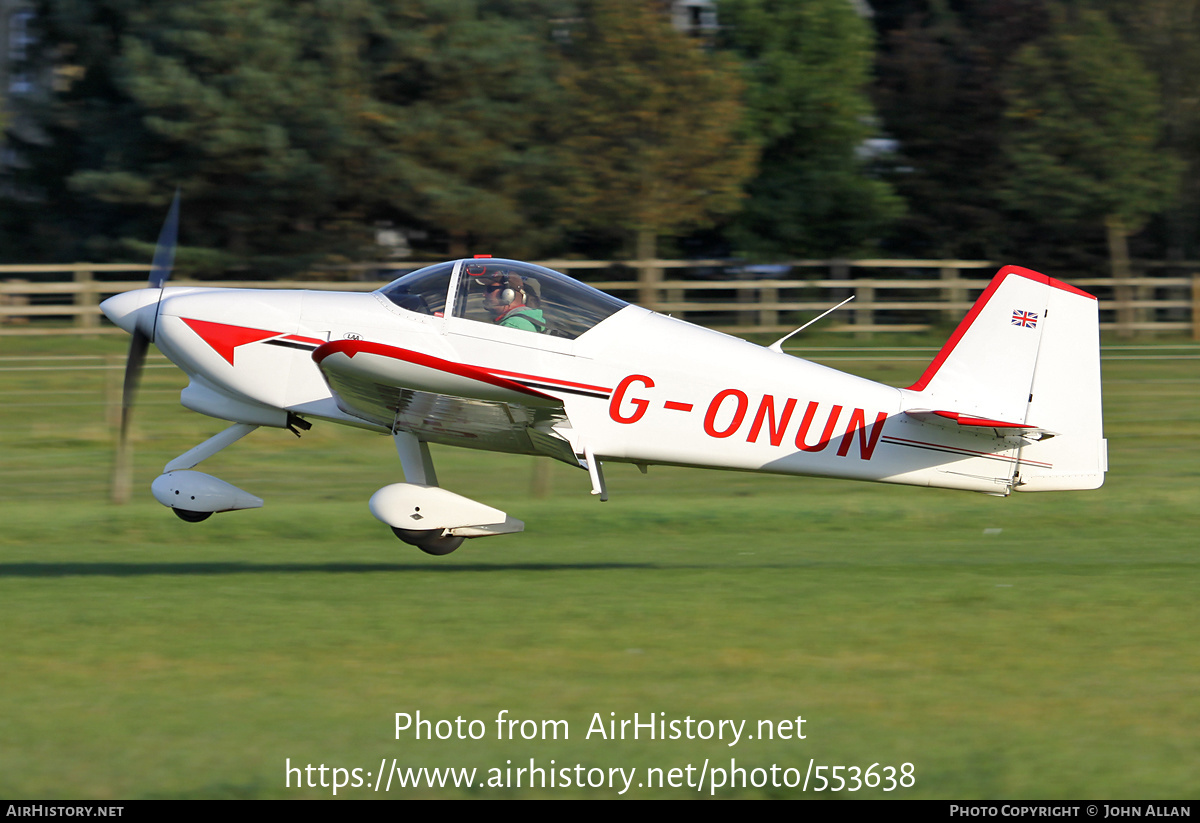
<point x="528" y="297"/>
<point x="422" y="291"/>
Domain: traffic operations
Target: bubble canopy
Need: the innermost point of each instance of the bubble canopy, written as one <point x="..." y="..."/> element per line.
<point x="458" y="288"/>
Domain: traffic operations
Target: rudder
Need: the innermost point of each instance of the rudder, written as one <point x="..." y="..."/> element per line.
<point x="1066" y="398"/>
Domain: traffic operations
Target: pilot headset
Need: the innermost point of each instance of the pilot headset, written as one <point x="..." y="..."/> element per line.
<point x="509" y="293"/>
<point x="510" y="284"/>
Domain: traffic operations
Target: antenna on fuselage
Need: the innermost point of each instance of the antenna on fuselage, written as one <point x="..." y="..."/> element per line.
<point x="778" y="344"/>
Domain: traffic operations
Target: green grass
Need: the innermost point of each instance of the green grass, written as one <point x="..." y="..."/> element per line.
<point x="1042" y="646"/>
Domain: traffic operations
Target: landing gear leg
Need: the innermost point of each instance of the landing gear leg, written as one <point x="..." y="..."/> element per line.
<point x="423" y="514"/>
<point x="417" y="463"/>
<point x="596" y="473"/>
<point x="190" y="458"/>
<point x="415" y="459"/>
<point x="194" y="496"/>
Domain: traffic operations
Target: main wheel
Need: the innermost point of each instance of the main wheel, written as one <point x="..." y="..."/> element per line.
<point x="191" y="516"/>
<point x="431" y="541"/>
<point x="439" y="546"/>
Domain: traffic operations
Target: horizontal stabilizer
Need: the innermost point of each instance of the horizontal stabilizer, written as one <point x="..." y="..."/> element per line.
<point x="949" y="418"/>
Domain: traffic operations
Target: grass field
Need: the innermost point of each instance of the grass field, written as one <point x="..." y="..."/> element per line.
<point x="1043" y="646"/>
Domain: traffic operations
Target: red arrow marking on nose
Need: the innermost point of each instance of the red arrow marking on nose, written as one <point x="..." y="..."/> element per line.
<point x="224" y="338"/>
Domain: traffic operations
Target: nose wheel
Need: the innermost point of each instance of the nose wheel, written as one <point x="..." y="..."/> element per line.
<point x="431" y="541"/>
<point x="191" y="517"/>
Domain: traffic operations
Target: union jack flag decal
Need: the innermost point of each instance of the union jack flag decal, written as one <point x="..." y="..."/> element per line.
<point x="1024" y="319"/>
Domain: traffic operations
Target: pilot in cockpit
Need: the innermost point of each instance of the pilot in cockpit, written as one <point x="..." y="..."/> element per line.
<point x="514" y="301"/>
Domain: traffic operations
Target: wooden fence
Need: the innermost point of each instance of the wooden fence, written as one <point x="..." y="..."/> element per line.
<point x="890" y="295"/>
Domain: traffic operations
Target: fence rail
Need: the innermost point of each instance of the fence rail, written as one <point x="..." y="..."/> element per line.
<point x="890" y="295"/>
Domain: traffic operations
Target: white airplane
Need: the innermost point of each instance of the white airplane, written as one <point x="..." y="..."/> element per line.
<point x="506" y="356"/>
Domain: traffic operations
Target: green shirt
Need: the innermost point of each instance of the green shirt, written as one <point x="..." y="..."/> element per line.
<point x="525" y="319"/>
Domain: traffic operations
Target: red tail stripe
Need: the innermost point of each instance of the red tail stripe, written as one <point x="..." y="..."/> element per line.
<point x="978" y="307"/>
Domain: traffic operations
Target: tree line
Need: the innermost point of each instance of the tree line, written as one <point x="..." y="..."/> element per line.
<point x="304" y="132"/>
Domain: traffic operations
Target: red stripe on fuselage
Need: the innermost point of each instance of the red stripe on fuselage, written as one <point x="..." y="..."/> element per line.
<point x="352" y="347"/>
<point x="554" y="380"/>
<point x="298" y="339"/>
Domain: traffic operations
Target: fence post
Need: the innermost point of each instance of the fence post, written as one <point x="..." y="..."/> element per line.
<point x="649" y="275"/>
<point x="1123" y="294"/>
<point x="864" y="314"/>
<point x="864" y="299"/>
<point x="540" y="482"/>
<point x="746" y="294"/>
<point x="121" y="482"/>
<point x="676" y="296"/>
<point x="952" y="295"/>
<point x="1196" y="305"/>
<point x="1143" y="294"/>
<point x="13" y="300"/>
<point x="768" y="297"/>
<point x="649" y="283"/>
<point x="85" y="298"/>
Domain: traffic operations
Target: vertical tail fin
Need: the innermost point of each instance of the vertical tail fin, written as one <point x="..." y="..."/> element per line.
<point x="1027" y="356"/>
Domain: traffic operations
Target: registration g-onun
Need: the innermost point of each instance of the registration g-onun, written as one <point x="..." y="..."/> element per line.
<point x="500" y="355"/>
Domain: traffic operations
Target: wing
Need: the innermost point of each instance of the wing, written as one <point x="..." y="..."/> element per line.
<point x="442" y="401"/>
